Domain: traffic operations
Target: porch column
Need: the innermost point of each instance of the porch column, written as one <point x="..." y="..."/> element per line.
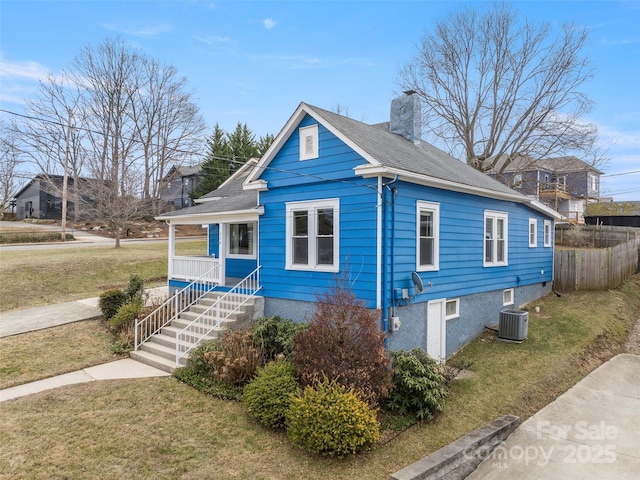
<point x="172" y="248"/>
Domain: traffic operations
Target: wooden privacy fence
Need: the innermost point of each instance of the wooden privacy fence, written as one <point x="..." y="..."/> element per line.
<point x="595" y="269"/>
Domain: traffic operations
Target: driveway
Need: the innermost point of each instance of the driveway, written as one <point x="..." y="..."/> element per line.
<point x="592" y="431"/>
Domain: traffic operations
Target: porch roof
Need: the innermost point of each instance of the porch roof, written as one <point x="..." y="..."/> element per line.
<point x="231" y="204"/>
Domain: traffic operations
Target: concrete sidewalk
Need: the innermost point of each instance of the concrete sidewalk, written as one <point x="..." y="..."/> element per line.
<point x="592" y="431"/>
<point x="120" y="369"/>
<point x="38" y="318"/>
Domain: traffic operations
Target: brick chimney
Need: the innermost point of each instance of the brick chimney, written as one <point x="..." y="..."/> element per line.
<point x="406" y="117"/>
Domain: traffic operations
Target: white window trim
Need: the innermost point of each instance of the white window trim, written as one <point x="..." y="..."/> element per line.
<point x="495" y="215"/>
<point x="304" y="133"/>
<point x="422" y="206"/>
<point x="547" y="238"/>
<point x="313" y="206"/>
<point x="457" y="312"/>
<point x="253" y="256"/>
<point x="511" y="301"/>
<point x="533" y="222"/>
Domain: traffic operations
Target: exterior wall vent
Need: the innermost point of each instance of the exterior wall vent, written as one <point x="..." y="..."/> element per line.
<point x="513" y="325"/>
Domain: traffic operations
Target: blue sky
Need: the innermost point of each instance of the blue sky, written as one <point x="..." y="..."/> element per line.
<point x="254" y="62"/>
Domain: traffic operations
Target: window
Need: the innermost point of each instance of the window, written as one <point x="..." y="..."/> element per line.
<point x="593" y="183"/>
<point x="507" y="297"/>
<point x="517" y="180"/>
<point x="428" y="229"/>
<point x="533" y="232"/>
<point x="547" y="233"/>
<point x="241" y="239"/>
<point x="452" y="309"/>
<point x="309" y="142"/>
<point x="495" y="239"/>
<point x="313" y="235"/>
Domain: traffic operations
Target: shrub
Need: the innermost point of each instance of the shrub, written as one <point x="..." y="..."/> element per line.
<point x="110" y="301"/>
<point x="274" y="335"/>
<point x="419" y="386"/>
<point x="237" y="360"/>
<point x="197" y="363"/>
<point x="125" y="317"/>
<point x="331" y="419"/>
<point x="268" y="395"/>
<point x="207" y="385"/>
<point x="343" y="343"/>
<point x="134" y="291"/>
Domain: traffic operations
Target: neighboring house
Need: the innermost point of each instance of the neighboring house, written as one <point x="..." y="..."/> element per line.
<point x="373" y="203"/>
<point x="42" y="197"/>
<point x="178" y="184"/>
<point x="566" y="184"/>
<point x="621" y="214"/>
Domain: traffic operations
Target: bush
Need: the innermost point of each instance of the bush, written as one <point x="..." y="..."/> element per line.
<point x="110" y="301"/>
<point x="125" y="317"/>
<point x="134" y="291"/>
<point x="274" y="335"/>
<point x="237" y="360"/>
<point x="197" y="363"/>
<point x="343" y="343"/>
<point x="207" y="385"/>
<point x="419" y="386"/>
<point x="268" y="395"/>
<point x="331" y="419"/>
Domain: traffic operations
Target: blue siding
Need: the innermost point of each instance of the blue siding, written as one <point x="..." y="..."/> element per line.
<point x="330" y="176"/>
<point x="214" y="240"/>
<point x="461" y="269"/>
<point x="239" y="268"/>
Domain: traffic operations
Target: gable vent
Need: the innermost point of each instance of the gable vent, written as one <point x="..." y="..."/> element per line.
<point x="309" y="142"/>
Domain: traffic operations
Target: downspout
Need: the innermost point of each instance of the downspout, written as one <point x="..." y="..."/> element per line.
<point x="385" y="290"/>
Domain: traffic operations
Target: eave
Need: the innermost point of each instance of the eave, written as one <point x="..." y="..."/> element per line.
<point x="237" y="216"/>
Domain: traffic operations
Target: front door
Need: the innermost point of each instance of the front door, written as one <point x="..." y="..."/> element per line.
<point x="436" y="330"/>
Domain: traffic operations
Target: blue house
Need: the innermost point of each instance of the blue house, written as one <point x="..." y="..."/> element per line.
<point x="392" y="213"/>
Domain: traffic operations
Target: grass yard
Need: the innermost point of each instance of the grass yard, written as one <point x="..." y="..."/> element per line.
<point x="32" y="278"/>
<point x="53" y="351"/>
<point x="159" y="428"/>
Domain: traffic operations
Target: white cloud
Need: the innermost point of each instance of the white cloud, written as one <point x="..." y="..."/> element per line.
<point x="213" y="39"/>
<point x="269" y="23"/>
<point x="146" y="31"/>
<point x="621" y="139"/>
<point x="25" y="70"/>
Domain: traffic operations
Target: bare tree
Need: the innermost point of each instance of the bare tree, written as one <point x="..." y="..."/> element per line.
<point x="10" y="160"/>
<point x="495" y="88"/>
<point x="168" y="124"/>
<point x="52" y="136"/>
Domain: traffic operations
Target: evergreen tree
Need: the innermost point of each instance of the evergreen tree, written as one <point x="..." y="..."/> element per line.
<point x="226" y="154"/>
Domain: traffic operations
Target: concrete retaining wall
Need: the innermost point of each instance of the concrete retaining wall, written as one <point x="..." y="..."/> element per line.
<point x="460" y="458"/>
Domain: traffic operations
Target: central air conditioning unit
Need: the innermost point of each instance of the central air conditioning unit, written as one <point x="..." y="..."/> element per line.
<point x="514" y="325"/>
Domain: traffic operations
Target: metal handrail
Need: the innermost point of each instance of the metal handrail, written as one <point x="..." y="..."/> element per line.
<point x="174" y="306"/>
<point x="191" y="335"/>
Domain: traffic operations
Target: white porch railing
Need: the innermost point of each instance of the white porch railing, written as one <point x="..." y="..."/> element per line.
<point x="211" y="319"/>
<point x="190" y="268"/>
<point x="175" y="305"/>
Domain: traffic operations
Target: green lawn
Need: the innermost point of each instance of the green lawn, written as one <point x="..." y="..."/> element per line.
<point x="31" y="278"/>
<point x="159" y="428"/>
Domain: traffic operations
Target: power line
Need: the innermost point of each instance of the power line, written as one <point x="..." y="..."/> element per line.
<point x="235" y="162"/>
<point x="622" y="173"/>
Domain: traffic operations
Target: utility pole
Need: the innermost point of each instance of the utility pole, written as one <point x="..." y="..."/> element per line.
<point x="65" y="180"/>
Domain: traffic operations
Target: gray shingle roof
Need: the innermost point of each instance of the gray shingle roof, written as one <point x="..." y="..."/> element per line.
<point x="233" y="198"/>
<point x="394" y="151"/>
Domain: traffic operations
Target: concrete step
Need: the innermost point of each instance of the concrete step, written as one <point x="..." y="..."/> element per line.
<point x="155" y="361"/>
<point x="159" y="350"/>
<point x="172" y="331"/>
<point x="188" y="317"/>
